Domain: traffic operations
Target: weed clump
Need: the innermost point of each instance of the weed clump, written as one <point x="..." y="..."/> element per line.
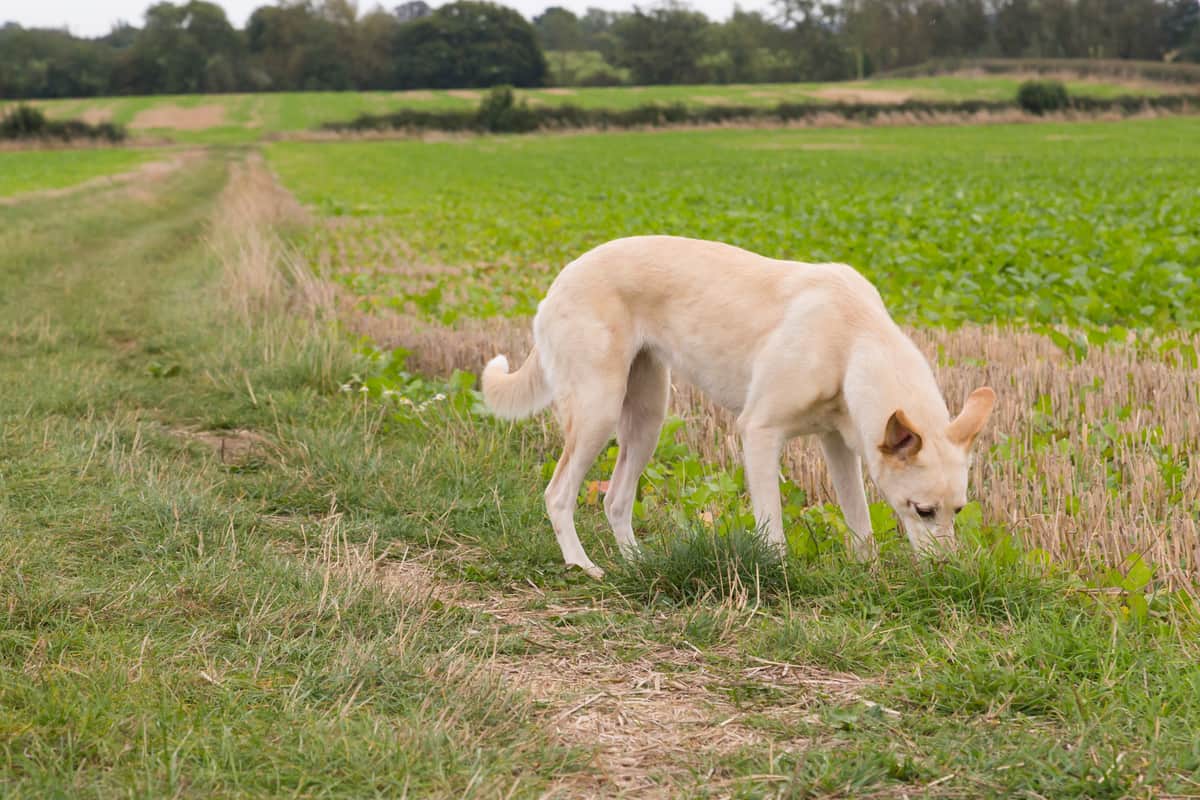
<point x="703" y="563"/>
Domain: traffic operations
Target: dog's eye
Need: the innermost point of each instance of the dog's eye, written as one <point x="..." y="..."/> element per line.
<point x="925" y="513"/>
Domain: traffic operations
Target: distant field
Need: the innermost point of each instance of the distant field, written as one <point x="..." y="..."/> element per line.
<point x="244" y="117"/>
<point x="33" y="170"/>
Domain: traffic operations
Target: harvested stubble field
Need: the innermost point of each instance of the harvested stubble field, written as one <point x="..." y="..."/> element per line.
<point x="249" y="555"/>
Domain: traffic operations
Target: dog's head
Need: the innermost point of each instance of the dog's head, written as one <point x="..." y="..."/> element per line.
<point x="923" y="473"/>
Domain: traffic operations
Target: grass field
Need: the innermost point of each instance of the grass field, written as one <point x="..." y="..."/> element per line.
<point x="243" y="118"/>
<point x="33" y="170"/>
<point x="247" y="554"/>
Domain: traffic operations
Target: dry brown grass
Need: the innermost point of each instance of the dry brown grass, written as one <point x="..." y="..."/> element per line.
<point x="851" y="94"/>
<point x="261" y="275"/>
<point x="1054" y="491"/>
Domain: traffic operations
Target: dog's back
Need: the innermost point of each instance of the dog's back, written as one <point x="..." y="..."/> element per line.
<point x="704" y="308"/>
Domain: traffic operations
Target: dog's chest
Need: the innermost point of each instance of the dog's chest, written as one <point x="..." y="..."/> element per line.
<point x="822" y="416"/>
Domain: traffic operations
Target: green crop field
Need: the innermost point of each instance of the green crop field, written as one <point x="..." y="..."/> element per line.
<point x="246" y="117"/>
<point x="261" y="539"/>
<point x="1083" y="224"/>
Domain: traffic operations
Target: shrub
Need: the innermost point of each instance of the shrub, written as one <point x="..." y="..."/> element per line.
<point x="23" y="122"/>
<point x="28" y="122"/>
<point x="500" y="113"/>
<point x="1038" y="97"/>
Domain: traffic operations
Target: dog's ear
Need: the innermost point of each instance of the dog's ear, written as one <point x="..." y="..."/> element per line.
<point x="975" y="413"/>
<point x="900" y="438"/>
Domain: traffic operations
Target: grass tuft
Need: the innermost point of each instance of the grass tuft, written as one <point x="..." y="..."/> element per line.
<point x="703" y="563"/>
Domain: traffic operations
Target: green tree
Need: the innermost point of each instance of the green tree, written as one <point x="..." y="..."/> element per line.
<point x="186" y="48"/>
<point x="558" y="29"/>
<point x="662" y="45"/>
<point x="296" y="47"/>
<point x="468" y="44"/>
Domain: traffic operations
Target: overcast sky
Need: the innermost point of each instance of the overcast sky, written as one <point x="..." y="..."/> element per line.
<point x="96" y="17"/>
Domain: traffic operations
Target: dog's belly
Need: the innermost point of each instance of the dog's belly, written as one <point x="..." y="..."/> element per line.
<point x="723" y="380"/>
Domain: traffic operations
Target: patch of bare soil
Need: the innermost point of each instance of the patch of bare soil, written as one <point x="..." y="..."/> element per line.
<point x="231" y="447"/>
<point x="464" y="94"/>
<point x="95" y="115"/>
<point x="559" y="91"/>
<point x="179" y="118"/>
<point x="708" y="99"/>
<point x="840" y="94"/>
<point x="255" y="117"/>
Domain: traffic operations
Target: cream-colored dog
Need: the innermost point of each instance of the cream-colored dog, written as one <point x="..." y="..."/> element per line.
<point x="792" y="348"/>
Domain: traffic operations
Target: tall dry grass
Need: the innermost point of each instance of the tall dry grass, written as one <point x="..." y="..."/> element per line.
<point x="261" y="274"/>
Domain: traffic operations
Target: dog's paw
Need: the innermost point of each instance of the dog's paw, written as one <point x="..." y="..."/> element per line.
<point x="865" y="550"/>
<point x="590" y="569"/>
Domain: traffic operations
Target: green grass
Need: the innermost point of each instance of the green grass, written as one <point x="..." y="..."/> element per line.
<point x="30" y="170"/>
<point x="172" y="626"/>
<point x="1089" y="224"/>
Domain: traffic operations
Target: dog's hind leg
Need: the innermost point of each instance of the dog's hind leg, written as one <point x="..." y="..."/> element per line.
<point x="588" y="415"/>
<point x="642" y="415"/>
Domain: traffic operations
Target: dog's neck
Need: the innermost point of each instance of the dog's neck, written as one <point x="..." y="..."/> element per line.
<point x="886" y="373"/>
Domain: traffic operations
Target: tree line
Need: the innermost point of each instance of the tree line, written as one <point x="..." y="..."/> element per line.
<point x="329" y="45"/>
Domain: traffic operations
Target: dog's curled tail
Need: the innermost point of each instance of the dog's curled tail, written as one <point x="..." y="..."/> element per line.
<point x="516" y="394"/>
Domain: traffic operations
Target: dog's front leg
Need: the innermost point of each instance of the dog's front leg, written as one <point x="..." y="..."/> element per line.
<point x="845" y="470"/>
<point x="760" y="451"/>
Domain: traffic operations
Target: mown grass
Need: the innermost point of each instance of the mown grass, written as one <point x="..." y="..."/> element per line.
<point x="169" y="627"/>
<point x="30" y="170"/>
